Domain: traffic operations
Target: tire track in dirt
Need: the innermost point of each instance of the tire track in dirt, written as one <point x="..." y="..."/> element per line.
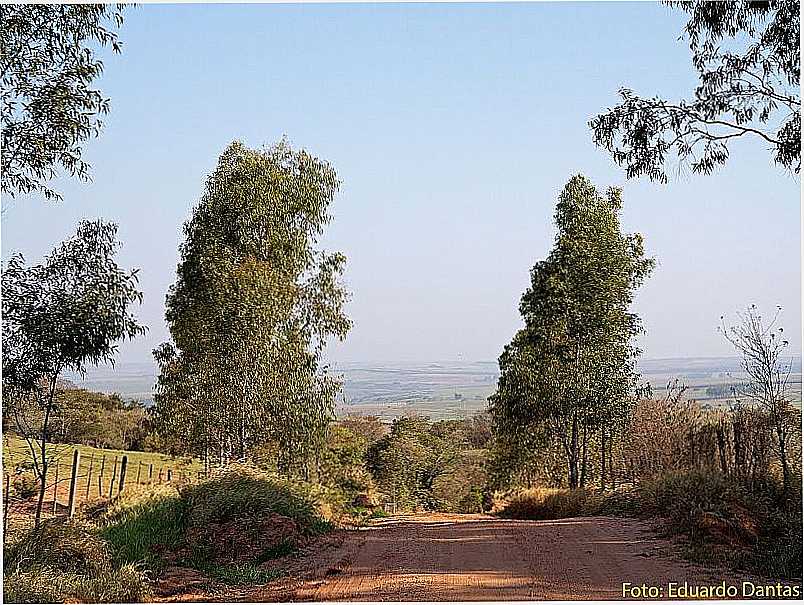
<point x="443" y="557"/>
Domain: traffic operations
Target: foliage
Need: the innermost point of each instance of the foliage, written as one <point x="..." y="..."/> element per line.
<point x="61" y="315"/>
<point x="747" y="58"/>
<point x="342" y="461"/>
<point x="224" y="526"/>
<point x="571" y="370"/>
<point x="49" y="108"/>
<point x="253" y="305"/>
<point x="409" y="461"/>
<point x="240" y="491"/>
<point x="100" y="420"/>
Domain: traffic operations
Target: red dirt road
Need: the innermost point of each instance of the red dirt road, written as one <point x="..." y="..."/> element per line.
<point x="442" y="557"/>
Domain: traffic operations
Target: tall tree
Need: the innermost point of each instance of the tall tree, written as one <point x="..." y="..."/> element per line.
<point x="747" y="57"/>
<point x="252" y="308"/>
<point x="49" y="107"/>
<point x="571" y="369"/>
<point x="61" y="315"/>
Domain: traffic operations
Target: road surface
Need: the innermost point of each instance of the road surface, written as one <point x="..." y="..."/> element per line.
<point x="444" y="557"/>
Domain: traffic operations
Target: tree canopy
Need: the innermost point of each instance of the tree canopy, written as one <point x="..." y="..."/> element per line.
<point x="747" y="58"/>
<point x="63" y="314"/>
<point x="252" y="308"/>
<point x="572" y="367"/>
<point x="49" y="106"/>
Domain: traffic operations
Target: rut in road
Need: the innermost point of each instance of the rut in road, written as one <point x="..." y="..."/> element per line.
<point x="441" y="557"/>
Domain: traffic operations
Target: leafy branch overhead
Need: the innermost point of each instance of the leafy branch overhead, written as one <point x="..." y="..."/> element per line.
<point x="747" y="57"/>
<point x="49" y="106"/>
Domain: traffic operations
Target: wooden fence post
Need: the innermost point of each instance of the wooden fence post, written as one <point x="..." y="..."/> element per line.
<point x="123" y="466"/>
<point x="114" y="476"/>
<point x="73" y="483"/>
<point x="139" y="470"/>
<point x="100" y="476"/>
<point x="56" y="485"/>
<point x="151" y="473"/>
<point x="89" y="475"/>
<point x="160" y="474"/>
<point x="6" y="503"/>
<point x="169" y="475"/>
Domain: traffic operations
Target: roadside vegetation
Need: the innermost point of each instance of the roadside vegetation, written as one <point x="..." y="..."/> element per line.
<point x="245" y="400"/>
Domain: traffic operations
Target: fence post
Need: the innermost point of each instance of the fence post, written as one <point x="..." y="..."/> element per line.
<point x="151" y="473"/>
<point x="100" y="476"/>
<point x="55" y="485"/>
<point x="114" y="476"/>
<point x="123" y="466"/>
<point x="73" y="483"/>
<point x="160" y="474"/>
<point x="6" y="503"/>
<point x="169" y="475"/>
<point x="139" y="470"/>
<point x="89" y="475"/>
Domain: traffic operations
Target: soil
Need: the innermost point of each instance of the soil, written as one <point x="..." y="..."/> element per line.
<point x="446" y="557"/>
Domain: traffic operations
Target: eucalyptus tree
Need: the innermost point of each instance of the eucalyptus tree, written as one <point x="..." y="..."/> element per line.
<point x="49" y="107"/>
<point x="253" y="305"/>
<point x="61" y="315"/>
<point x="747" y="58"/>
<point x="571" y="367"/>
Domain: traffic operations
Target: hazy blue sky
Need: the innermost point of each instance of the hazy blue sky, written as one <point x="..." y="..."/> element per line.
<point x="453" y="128"/>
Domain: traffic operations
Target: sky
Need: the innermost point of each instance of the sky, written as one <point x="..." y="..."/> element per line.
<point x="453" y="129"/>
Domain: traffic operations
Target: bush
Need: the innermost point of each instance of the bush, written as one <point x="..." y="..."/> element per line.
<point x="238" y="517"/>
<point x="549" y="503"/>
<point x="241" y="491"/>
<point x="751" y="527"/>
<point x="26" y="485"/>
<point x="705" y="505"/>
<point x="64" y="561"/>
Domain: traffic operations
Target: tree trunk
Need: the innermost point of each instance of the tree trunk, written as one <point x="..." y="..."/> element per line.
<point x="781" y="435"/>
<point x="602" y="459"/>
<point x="584" y="456"/>
<point x="572" y="455"/>
<point x="43" y="439"/>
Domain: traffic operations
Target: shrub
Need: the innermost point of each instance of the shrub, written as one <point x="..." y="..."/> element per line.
<point x="705" y="505"/>
<point x="241" y="491"/>
<point x="550" y="503"/>
<point x="26" y="485"/>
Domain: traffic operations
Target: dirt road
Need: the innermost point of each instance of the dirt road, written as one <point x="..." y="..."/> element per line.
<point x="441" y="557"/>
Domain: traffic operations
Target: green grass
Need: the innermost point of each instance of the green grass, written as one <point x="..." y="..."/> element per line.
<point x="246" y="574"/>
<point x="139" y="526"/>
<point x="16" y="453"/>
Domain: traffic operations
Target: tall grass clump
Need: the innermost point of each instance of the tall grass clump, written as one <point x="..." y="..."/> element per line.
<point x="142" y="525"/>
<point x="240" y="492"/>
<point x="67" y="562"/>
<point x="551" y="503"/>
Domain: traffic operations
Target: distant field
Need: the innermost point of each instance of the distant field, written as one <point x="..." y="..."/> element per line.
<point x="450" y="389"/>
